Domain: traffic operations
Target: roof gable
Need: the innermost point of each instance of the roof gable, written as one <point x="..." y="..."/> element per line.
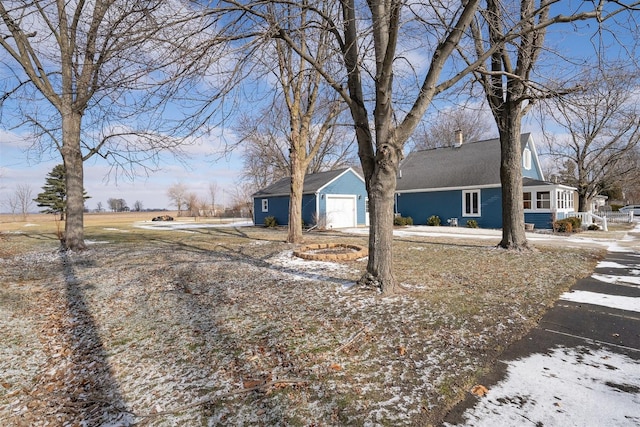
<point x="312" y="183"/>
<point x="471" y="164"/>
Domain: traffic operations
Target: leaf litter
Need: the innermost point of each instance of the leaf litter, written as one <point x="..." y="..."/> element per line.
<point x="222" y="329"/>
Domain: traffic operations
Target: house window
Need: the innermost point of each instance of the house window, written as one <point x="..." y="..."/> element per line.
<point x="543" y="200"/>
<point x="561" y="200"/>
<point x="471" y="203"/>
<point x="265" y="205"/>
<point x="526" y="197"/>
<point x="526" y="159"/>
<point x="565" y="200"/>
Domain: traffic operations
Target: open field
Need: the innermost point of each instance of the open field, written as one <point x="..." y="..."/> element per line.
<point x="9" y="222"/>
<point x="223" y="326"/>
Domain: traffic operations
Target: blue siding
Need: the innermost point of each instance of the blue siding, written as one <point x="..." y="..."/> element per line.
<point x="541" y="220"/>
<point x="534" y="172"/>
<point x="308" y="209"/>
<point x="347" y="184"/>
<point x="278" y="208"/>
<point x="491" y="200"/>
<point x="448" y="204"/>
<point x="420" y="206"/>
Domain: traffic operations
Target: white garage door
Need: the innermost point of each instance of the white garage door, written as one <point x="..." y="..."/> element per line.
<point x="341" y="211"/>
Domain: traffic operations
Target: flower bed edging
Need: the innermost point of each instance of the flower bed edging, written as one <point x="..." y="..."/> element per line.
<point x="358" y="252"/>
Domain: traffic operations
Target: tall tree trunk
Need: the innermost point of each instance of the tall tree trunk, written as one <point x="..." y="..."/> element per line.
<point x="298" y="171"/>
<point x="381" y="202"/>
<point x="513" y="235"/>
<point x="583" y="200"/>
<point x="72" y="158"/>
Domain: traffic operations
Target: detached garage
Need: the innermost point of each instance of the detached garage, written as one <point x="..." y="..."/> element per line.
<point x="332" y="199"/>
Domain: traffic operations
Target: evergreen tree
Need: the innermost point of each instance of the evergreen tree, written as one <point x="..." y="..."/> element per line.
<point x="54" y="196"/>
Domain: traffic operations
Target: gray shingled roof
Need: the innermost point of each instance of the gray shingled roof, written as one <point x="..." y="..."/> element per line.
<point x="312" y="183"/>
<point x="471" y="164"/>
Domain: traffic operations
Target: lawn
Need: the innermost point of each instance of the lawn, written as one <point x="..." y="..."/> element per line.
<point x="224" y="326"/>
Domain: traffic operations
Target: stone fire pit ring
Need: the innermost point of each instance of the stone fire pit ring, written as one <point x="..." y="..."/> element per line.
<point x="331" y="252"/>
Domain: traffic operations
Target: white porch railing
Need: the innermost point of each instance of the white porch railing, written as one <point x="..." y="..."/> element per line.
<point x="603" y="219"/>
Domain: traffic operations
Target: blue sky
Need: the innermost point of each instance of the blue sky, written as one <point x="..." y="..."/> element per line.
<point x="205" y="164"/>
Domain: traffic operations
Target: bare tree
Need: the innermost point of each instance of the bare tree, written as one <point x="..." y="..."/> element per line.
<point x="442" y="128"/>
<point x="602" y="125"/>
<point x="366" y="37"/>
<point x="117" y="205"/>
<point x="177" y="194"/>
<point x="241" y="199"/>
<point x="24" y="198"/>
<point x="386" y="96"/>
<point x="89" y="77"/>
<point x="12" y="203"/>
<point x="380" y="152"/>
<point x="137" y="206"/>
<point x="193" y="204"/>
<point x="510" y="87"/>
<point x="265" y="148"/>
<point x="304" y="108"/>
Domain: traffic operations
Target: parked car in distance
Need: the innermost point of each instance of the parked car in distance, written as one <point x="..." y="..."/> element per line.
<point x="631" y="208"/>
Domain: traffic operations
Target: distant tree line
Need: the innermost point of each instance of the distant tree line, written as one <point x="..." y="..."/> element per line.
<point x="189" y="203"/>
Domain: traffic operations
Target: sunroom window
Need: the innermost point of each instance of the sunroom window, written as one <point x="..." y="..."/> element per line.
<point x="526" y="197"/>
<point x="543" y="200"/>
<point x="565" y="200"/>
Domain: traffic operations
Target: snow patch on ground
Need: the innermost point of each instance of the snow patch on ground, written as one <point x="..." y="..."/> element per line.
<point x="307" y="270"/>
<point x="550" y="389"/>
<point x="96" y="242"/>
<point x="605" y="300"/>
<point x="610" y="264"/>
<point x="178" y="225"/>
<point x="608" y="278"/>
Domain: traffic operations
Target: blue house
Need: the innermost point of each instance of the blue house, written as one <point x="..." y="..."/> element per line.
<point x="462" y="183"/>
<point x="332" y="199"/>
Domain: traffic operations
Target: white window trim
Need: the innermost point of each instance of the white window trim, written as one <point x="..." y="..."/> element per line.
<point x="265" y="205"/>
<point x="549" y="200"/>
<point x="526" y="159"/>
<point x="464" y="204"/>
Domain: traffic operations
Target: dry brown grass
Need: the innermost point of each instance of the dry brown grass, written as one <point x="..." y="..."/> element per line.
<point x="221" y="326"/>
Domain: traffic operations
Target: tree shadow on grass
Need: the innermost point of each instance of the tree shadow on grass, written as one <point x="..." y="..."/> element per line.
<point x="79" y="385"/>
<point x="229" y="253"/>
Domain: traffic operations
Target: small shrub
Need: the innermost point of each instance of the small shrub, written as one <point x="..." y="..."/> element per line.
<point x="472" y="223"/>
<point x="563" y="226"/>
<point x="270" y="222"/>
<point x="399" y="220"/>
<point x="593" y="227"/>
<point x="576" y="222"/>
<point x="434" y="221"/>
